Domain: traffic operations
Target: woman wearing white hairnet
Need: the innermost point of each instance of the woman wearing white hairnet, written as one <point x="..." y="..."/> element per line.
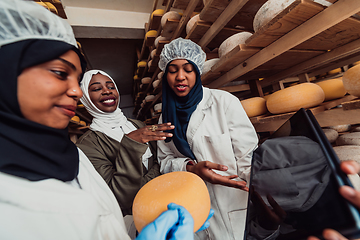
<point x="48" y="187"/>
<point x="213" y="137"/>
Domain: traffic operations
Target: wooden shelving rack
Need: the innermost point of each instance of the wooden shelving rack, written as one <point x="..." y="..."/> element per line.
<point x="303" y="41"/>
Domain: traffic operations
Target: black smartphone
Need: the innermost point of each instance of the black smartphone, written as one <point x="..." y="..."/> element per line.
<point x="294" y="184"/>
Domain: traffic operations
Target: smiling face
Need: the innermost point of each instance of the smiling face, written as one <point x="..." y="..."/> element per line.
<point x="181" y="77"/>
<point x="48" y="93"/>
<point x="103" y="93"/>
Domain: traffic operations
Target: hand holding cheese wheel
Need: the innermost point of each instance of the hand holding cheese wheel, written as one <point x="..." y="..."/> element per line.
<point x="254" y="106"/>
<point x="304" y="95"/>
<point x="183" y="188"/>
<point x="333" y="88"/>
<point x="351" y="80"/>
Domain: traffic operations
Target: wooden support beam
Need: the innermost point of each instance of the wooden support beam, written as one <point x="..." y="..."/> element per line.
<point x="185" y="18"/>
<point x="327" y="18"/>
<point x="230" y="11"/>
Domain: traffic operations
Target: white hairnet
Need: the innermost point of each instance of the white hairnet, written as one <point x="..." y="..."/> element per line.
<point x="182" y="49"/>
<point x="22" y="20"/>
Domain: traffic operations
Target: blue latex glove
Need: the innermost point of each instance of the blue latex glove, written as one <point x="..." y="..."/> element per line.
<point x="206" y="224"/>
<point x="174" y="224"/>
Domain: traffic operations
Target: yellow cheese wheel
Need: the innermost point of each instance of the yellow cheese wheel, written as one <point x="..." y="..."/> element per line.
<point x="151" y="33"/>
<point x="333" y="88"/>
<point x="157" y="12"/>
<point x="351" y="80"/>
<point x="82" y="123"/>
<point x="183" y="188"/>
<point x="75" y="119"/>
<point x="290" y="99"/>
<point x="254" y="106"/>
<point x="142" y="63"/>
<point x="334" y="71"/>
<point x="51" y="7"/>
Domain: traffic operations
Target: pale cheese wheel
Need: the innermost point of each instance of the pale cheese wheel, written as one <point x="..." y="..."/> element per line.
<point x="160" y="75"/>
<point x="149" y="98"/>
<point x="157" y="12"/>
<point x="334" y="71"/>
<point x="271" y="8"/>
<point x="349" y="139"/>
<point x="146" y="80"/>
<point x="156" y="83"/>
<point x="331" y="134"/>
<point x="152" y="53"/>
<point x="208" y="65"/>
<point x="182" y="188"/>
<point x="149" y="63"/>
<point x="290" y="99"/>
<point x="348" y="152"/>
<point x="231" y="42"/>
<point x="333" y="88"/>
<point x="173" y="15"/>
<point x="157" y="107"/>
<point x="151" y="33"/>
<point x="351" y="80"/>
<point x="192" y="22"/>
<point x="341" y="128"/>
<point x="160" y="38"/>
<point x="254" y="106"/>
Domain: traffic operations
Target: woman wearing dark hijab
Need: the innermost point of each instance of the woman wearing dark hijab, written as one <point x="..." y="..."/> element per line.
<point x="213" y="137"/>
<point x="48" y="187"/>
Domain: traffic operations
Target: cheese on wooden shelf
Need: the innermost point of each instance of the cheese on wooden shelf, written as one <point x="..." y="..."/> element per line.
<point x="173" y="15"/>
<point x="333" y="88"/>
<point x="351" y="80"/>
<point x="231" y="42"/>
<point x="192" y="22"/>
<point x="183" y="188"/>
<point x="254" y="106"/>
<point x="304" y="95"/>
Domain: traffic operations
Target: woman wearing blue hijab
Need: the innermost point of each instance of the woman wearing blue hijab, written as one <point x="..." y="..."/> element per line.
<point x="213" y="137"/>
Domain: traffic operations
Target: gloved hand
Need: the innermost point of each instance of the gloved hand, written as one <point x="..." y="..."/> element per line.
<point x="206" y="223"/>
<point x="174" y="224"/>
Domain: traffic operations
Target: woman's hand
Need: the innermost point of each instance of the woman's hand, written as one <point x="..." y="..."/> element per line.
<point x="151" y="133"/>
<point x="349" y="193"/>
<point x="204" y="170"/>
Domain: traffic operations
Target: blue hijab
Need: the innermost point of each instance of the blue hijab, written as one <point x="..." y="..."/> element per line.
<point x="178" y="110"/>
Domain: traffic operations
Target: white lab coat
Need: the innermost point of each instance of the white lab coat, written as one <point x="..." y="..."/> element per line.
<point x="52" y="209"/>
<point x="218" y="131"/>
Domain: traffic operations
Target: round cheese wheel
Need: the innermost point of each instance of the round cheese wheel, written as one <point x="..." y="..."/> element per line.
<point x="159" y="38"/>
<point x="151" y="33"/>
<point x="136" y="77"/>
<point x="192" y="22"/>
<point x="152" y="53"/>
<point x="160" y="74"/>
<point x="208" y="64"/>
<point x="231" y="42"/>
<point x="351" y="80"/>
<point x="349" y="139"/>
<point x="149" y="63"/>
<point x="183" y="188"/>
<point x="334" y="71"/>
<point x="254" y="106"/>
<point x="341" y="128"/>
<point x="157" y="107"/>
<point x="149" y="98"/>
<point x="146" y="80"/>
<point x="157" y="12"/>
<point x="75" y="119"/>
<point x="333" y="88"/>
<point x="348" y="152"/>
<point x="156" y="83"/>
<point x="173" y="15"/>
<point x="142" y="64"/>
<point x="271" y="8"/>
<point x="331" y="134"/>
<point x="290" y="99"/>
<point x="83" y="123"/>
<point x="51" y="7"/>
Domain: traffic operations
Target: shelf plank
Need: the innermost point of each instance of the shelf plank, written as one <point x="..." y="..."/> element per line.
<point x="331" y="16"/>
<point x="221" y="21"/>
<point x="182" y="4"/>
<point x="243" y="18"/>
<point x="201" y="28"/>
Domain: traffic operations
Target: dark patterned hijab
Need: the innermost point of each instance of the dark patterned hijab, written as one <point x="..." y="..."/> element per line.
<point x="28" y="149"/>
